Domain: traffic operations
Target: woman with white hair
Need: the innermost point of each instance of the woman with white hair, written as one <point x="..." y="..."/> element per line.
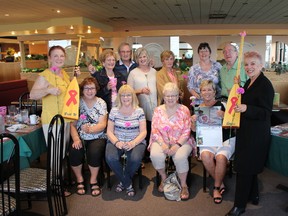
<point x="171" y="136"/>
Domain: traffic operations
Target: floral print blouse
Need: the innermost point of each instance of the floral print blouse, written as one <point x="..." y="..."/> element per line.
<point x="196" y="75"/>
<point x="172" y="130"/>
<point x="91" y="116"/>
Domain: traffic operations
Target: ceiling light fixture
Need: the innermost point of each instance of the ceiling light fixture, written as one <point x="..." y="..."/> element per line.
<point x="36" y="32"/>
<point x="89" y="30"/>
<point x="13" y="32"/>
<point x="71" y="27"/>
<point x="58" y="11"/>
<point x="7" y="15"/>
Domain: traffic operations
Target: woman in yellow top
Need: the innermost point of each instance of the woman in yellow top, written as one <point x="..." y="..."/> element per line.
<point x="51" y="86"/>
<point x="167" y="74"/>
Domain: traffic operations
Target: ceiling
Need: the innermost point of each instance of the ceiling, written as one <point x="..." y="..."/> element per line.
<point x="132" y="17"/>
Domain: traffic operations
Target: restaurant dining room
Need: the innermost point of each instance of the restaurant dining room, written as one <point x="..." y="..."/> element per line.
<point x="47" y="50"/>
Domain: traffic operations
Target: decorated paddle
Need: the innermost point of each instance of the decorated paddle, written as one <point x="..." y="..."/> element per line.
<point x="232" y="118"/>
<point x="71" y="99"/>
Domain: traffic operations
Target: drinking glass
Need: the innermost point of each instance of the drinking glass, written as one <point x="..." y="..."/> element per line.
<point x="12" y="112"/>
<point x="24" y="115"/>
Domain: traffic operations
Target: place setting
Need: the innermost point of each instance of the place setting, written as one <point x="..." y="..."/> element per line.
<point x="19" y="120"/>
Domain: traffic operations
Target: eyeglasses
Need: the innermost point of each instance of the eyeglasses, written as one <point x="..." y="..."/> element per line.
<point x="89" y="89"/>
<point x="125" y="51"/>
<point x="126" y="95"/>
<point x="171" y="96"/>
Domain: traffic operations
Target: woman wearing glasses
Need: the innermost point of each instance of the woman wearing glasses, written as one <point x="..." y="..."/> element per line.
<point x="88" y="135"/>
<point x="126" y="133"/>
<point x="170" y="136"/>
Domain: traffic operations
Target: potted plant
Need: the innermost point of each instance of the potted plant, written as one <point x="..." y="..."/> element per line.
<point x="10" y="54"/>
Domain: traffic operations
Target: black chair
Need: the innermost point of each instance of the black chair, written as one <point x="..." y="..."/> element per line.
<point x="49" y="182"/>
<point x="230" y="172"/>
<point x="26" y="103"/>
<point x="10" y="172"/>
<point x="170" y="168"/>
<point x="109" y="184"/>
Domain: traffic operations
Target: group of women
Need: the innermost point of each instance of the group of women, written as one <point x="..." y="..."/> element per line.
<point x="109" y="111"/>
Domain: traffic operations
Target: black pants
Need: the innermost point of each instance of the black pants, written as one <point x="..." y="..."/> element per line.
<point x="246" y="189"/>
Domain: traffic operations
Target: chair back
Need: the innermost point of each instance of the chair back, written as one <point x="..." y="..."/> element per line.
<point x="9" y="165"/>
<point x="26" y="103"/>
<point x="55" y="154"/>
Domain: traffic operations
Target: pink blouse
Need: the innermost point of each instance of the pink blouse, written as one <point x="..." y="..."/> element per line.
<point x="172" y="130"/>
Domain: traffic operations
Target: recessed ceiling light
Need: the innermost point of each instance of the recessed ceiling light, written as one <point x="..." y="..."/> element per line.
<point x="6" y="15"/>
<point x="71" y="27"/>
<point x="36" y="32"/>
<point x="13" y="32"/>
<point x="58" y="11"/>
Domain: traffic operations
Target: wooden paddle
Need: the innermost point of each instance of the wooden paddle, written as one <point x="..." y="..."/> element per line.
<point x="232" y="118"/>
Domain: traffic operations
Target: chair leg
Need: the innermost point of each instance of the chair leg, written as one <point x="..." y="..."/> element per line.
<point x="230" y="168"/>
<point x="109" y="185"/>
<point x="204" y="179"/>
<point x="140" y="178"/>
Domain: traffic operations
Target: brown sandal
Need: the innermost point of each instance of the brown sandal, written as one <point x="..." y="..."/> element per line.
<point x="184" y="193"/>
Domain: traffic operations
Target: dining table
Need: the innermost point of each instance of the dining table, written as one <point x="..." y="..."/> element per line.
<point x="31" y="142"/>
<point x="278" y="153"/>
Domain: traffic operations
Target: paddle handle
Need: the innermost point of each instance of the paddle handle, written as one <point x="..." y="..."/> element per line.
<point x="243" y="34"/>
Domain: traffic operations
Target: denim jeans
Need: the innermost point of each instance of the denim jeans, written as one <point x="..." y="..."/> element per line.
<point x="133" y="161"/>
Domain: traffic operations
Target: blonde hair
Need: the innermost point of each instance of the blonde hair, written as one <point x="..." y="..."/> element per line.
<point x="124" y="89"/>
<point x="170" y="87"/>
<point x="206" y="83"/>
<point x="105" y="54"/>
<point x="139" y="52"/>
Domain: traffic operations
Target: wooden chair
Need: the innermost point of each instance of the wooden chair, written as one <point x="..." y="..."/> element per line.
<point x="230" y="172"/>
<point x="49" y="182"/>
<point x="10" y="173"/>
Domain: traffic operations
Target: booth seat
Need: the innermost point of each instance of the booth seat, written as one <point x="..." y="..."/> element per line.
<point x="11" y="91"/>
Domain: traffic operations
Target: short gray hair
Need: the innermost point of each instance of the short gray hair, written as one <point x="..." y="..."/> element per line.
<point x="171" y="87"/>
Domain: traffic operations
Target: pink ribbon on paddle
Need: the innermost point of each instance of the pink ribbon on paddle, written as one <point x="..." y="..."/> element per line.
<point x="233" y="101"/>
<point x="72" y="98"/>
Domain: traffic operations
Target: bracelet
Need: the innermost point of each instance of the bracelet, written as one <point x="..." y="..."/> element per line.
<point x="116" y="142"/>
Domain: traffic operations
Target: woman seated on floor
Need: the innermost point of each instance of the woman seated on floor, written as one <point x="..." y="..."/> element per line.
<point x="126" y="133"/>
<point x="170" y="136"/>
<point x="215" y="159"/>
<point x="88" y="134"/>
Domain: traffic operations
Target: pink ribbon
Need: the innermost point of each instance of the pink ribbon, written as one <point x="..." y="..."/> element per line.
<point x="233" y="101"/>
<point x="72" y="98"/>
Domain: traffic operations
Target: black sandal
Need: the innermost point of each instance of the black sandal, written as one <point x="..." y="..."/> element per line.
<point x="95" y="188"/>
<point x="119" y="188"/>
<point x="130" y="191"/>
<point x="80" y="187"/>
<point x="217" y="200"/>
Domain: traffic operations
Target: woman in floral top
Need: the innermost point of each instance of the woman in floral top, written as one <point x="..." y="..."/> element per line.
<point x="171" y="136"/>
<point x="126" y="133"/>
<point x="88" y="134"/>
<point x="206" y="69"/>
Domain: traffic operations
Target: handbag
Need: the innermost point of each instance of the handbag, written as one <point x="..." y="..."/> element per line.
<point x="172" y="187"/>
